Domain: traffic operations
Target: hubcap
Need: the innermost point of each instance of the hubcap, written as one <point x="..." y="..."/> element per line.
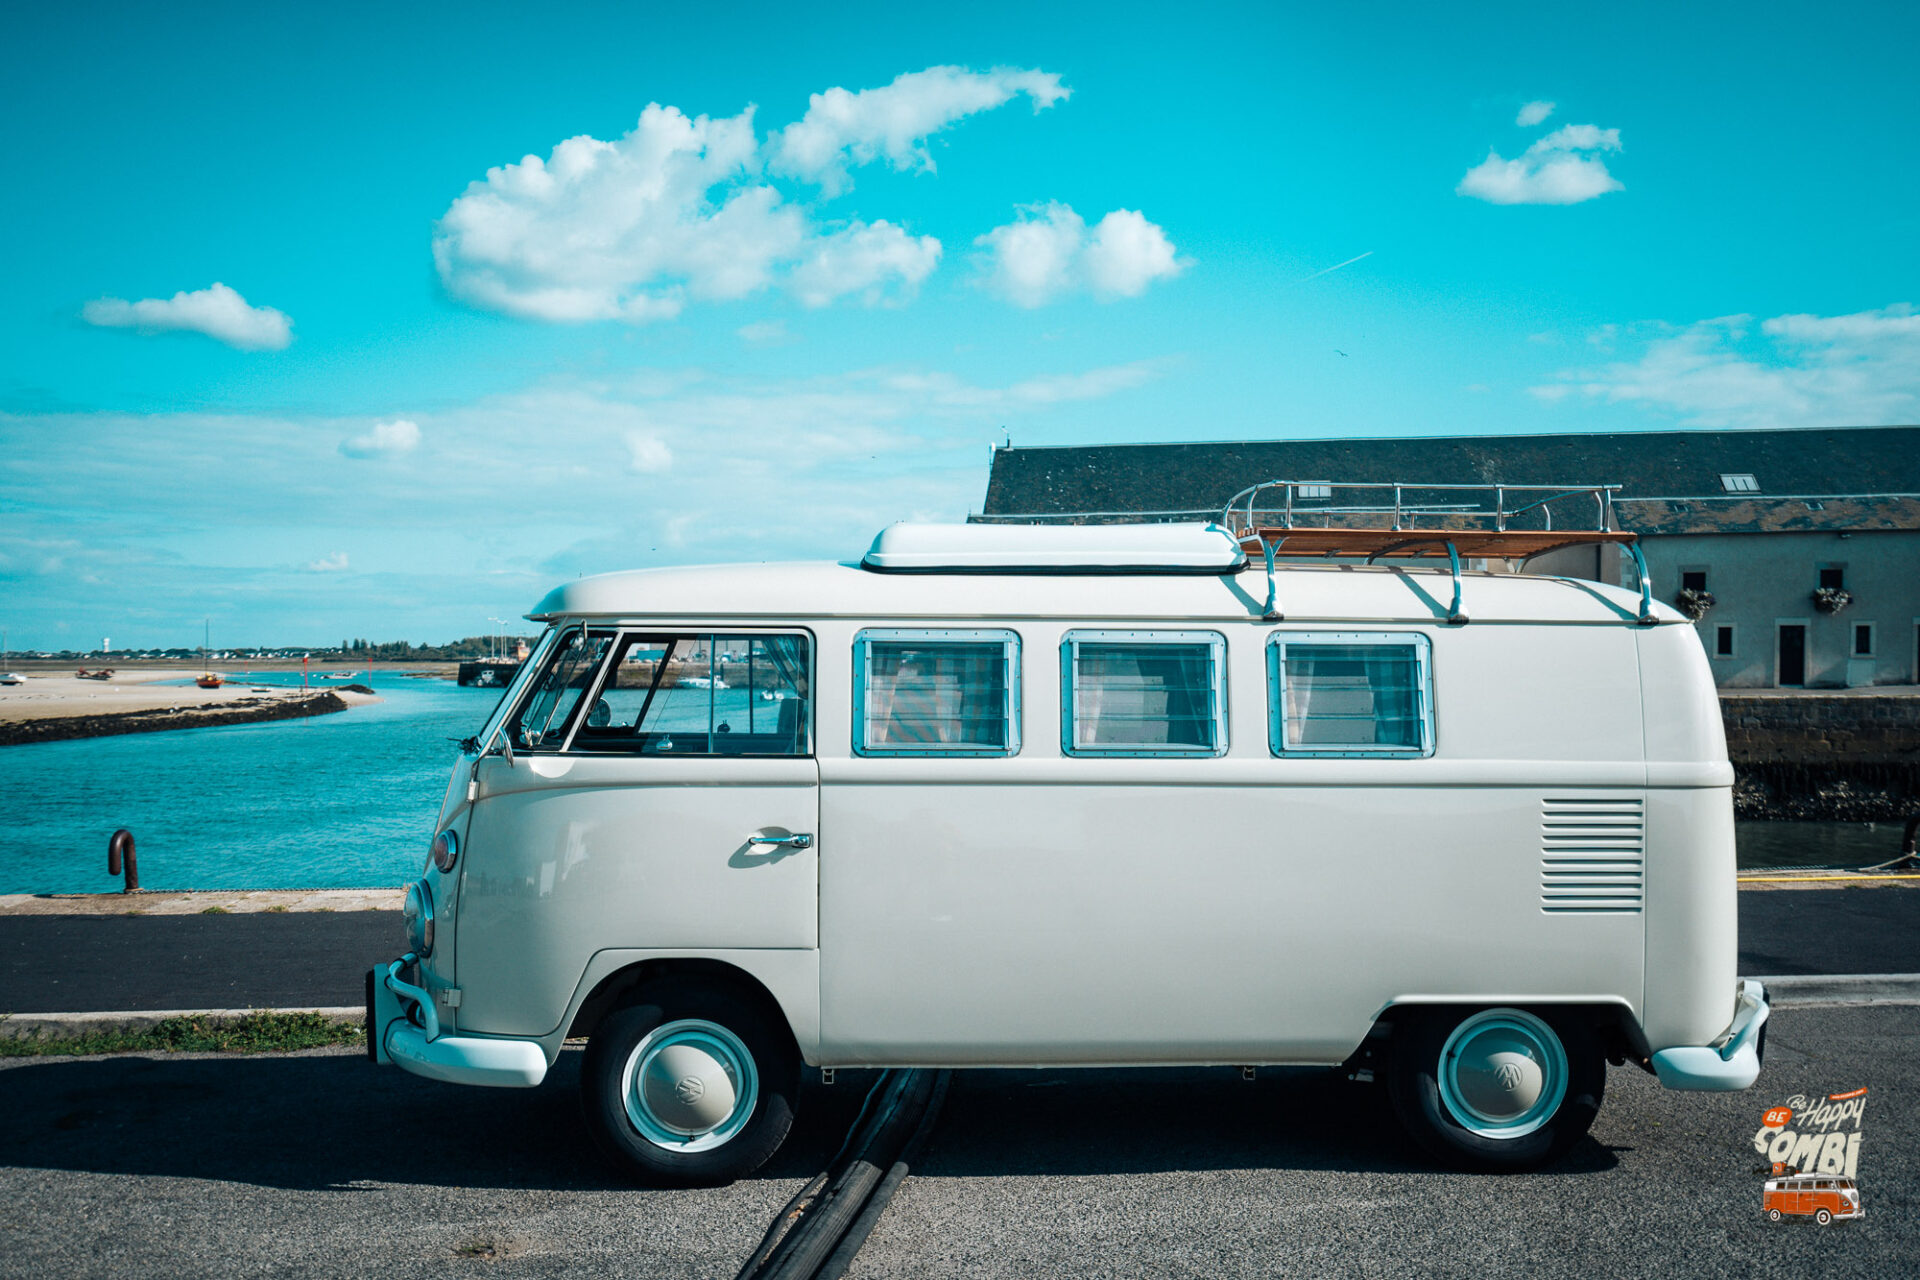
<point x="690" y="1085"/>
<point x="1503" y="1073"/>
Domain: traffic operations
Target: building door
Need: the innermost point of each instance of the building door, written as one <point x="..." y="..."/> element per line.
<point x="1793" y="655"/>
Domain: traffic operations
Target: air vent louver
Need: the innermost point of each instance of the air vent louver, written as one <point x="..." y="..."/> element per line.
<point x="1592" y="855"/>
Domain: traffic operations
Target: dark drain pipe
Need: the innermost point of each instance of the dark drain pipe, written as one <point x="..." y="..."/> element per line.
<point x="122" y="844"/>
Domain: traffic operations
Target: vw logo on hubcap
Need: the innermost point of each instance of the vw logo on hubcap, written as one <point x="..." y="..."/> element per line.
<point x="690" y="1089"/>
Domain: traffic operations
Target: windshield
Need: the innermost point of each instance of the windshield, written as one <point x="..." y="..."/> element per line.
<point x="562" y="681"/>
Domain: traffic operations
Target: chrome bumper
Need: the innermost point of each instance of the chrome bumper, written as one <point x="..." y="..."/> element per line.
<point x="393" y="1035"/>
<point x="1728" y="1064"/>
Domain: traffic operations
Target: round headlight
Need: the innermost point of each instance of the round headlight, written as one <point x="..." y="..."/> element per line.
<point x="446" y="849"/>
<point x="418" y="913"/>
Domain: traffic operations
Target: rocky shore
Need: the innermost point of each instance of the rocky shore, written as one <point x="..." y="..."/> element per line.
<point x="248" y="710"/>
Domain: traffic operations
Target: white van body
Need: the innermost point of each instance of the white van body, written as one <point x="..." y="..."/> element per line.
<point x="1563" y="838"/>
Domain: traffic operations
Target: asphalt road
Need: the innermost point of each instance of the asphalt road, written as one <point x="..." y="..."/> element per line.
<point x="319" y="1164"/>
<point x="74" y="964"/>
<point x="83" y="964"/>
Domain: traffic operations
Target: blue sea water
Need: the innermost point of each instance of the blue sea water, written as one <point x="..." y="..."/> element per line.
<point x="336" y="801"/>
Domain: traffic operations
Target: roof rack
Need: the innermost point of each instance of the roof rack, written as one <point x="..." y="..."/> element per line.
<point x="1476" y="521"/>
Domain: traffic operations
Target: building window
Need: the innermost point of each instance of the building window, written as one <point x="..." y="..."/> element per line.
<point x="1739" y="484"/>
<point x="1350" y="694"/>
<point x="1833" y="576"/>
<point x="1723" y="642"/>
<point x="946" y="693"/>
<point x="1863" y="639"/>
<point x="1143" y="693"/>
<point x="1693" y="579"/>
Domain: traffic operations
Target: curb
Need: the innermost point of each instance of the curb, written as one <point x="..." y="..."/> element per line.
<point x="1798" y="990"/>
<point x="21" y="1026"/>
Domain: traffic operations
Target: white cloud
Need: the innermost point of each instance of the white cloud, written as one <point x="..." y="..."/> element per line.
<point x="843" y="129"/>
<point x="1047" y="252"/>
<point x="682" y="209"/>
<point x="620" y="230"/>
<point x="385" y="440"/>
<point x="1562" y="168"/>
<point x="335" y="563"/>
<point x="820" y="461"/>
<point x="219" y="312"/>
<point x="1533" y="113"/>
<point x="647" y="454"/>
<point x="864" y="259"/>
<point x="1792" y="370"/>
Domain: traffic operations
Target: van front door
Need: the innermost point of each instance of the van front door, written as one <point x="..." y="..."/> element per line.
<point x="678" y="812"/>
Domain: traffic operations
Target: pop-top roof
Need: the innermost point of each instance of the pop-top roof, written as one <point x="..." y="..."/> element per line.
<point x="986" y="548"/>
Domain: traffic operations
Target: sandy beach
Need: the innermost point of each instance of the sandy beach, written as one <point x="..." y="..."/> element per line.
<point x="51" y="706"/>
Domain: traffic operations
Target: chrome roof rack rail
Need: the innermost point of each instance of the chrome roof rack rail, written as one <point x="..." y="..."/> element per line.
<point x="1490" y="521"/>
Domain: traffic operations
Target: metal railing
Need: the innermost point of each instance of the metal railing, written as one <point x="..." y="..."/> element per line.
<point x="1241" y="512"/>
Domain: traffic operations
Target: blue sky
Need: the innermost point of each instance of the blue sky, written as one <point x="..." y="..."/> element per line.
<point x="436" y="378"/>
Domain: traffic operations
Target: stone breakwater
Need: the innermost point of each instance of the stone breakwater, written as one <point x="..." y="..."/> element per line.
<point x="250" y="710"/>
<point x="1843" y="757"/>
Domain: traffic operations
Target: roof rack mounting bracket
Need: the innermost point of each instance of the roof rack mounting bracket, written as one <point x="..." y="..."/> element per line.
<point x="1455" y="617"/>
<point x="1272" y="611"/>
<point x="1646" y="618"/>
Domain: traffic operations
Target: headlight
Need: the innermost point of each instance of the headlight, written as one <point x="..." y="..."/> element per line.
<point x="446" y="850"/>
<point x="418" y="913"/>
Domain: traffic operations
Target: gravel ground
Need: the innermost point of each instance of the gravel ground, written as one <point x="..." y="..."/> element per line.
<point x="317" y="1164"/>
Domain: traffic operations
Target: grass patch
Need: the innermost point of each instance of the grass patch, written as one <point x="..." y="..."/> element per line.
<point x="280" y="909"/>
<point x="215" y="911"/>
<point x="255" y="1033"/>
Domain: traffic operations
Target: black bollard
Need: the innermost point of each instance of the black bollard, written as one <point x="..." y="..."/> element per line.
<point x="122" y="843"/>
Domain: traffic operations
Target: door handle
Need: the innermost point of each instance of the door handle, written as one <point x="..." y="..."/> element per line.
<point x="799" y="840"/>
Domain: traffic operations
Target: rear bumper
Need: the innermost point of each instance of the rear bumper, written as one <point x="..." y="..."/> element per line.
<point x="403" y="1029"/>
<point x="1729" y="1064"/>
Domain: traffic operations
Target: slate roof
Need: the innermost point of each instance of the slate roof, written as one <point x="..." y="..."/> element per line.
<point x="1670" y="480"/>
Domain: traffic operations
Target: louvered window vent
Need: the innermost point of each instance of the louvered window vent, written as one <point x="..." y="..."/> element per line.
<point x="1592" y="855"/>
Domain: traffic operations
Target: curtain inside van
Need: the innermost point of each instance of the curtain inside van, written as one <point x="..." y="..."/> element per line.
<point x="1352" y="696"/>
<point x="1143" y="695"/>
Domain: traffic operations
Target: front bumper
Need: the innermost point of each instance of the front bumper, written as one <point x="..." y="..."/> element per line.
<point x="1729" y="1064"/>
<point x="403" y="1028"/>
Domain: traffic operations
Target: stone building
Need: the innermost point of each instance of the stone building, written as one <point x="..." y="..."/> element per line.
<point x="1800" y="549"/>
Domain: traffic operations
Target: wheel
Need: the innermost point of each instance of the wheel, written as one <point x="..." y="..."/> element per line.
<point x="1773" y="1215"/>
<point x="690" y="1084"/>
<point x="1823" y="1217"/>
<point x="1495" y="1090"/>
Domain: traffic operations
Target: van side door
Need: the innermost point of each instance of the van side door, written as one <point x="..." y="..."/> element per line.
<point x="667" y="800"/>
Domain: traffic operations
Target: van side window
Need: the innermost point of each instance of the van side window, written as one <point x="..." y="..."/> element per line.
<point x="1337" y="694"/>
<point x="541" y="724"/>
<point x="702" y="695"/>
<point x="947" y="693"/>
<point x="1143" y="693"/>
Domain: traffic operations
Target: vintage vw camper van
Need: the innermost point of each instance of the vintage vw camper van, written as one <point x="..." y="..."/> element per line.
<point x="1031" y="796"/>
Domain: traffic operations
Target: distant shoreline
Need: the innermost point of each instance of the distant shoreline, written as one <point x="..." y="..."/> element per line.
<point x="19" y="733"/>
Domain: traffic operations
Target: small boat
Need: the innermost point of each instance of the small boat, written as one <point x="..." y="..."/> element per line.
<point x="341" y="675"/>
<point x="703" y="682"/>
<point x="105" y="673"/>
<point x="207" y="680"/>
<point x="12" y="677"/>
<point x="774" y="695"/>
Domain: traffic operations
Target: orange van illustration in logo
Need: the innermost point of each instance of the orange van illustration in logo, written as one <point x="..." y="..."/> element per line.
<point x="1812" y="1146"/>
<point x="1824" y="1200"/>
